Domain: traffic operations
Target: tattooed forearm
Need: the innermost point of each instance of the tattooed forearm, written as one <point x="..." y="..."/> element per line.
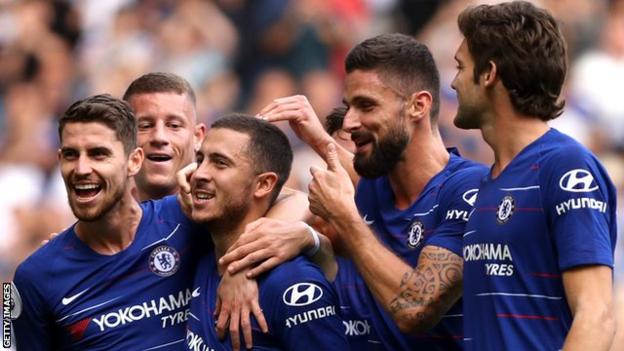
<point x="428" y="290"/>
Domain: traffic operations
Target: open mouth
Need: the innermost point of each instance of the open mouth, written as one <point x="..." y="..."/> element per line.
<point x="87" y="191"/>
<point x="158" y="157"/>
<point x="202" y="195"/>
<point x="361" y="139"/>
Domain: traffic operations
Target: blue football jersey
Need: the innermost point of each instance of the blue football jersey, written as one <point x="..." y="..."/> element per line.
<point x="438" y="217"/>
<point x="73" y="298"/>
<point x="299" y="304"/>
<point x="551" y="209"/>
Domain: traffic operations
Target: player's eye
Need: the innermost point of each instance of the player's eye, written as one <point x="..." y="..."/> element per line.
<point x="199" y="158"/>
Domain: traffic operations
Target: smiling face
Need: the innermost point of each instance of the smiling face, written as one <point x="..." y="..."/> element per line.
<point x="223" y="184"/>
<point x="168" y="133"/>
<point x="376" y="119"/>
<point x="95" y="169"/>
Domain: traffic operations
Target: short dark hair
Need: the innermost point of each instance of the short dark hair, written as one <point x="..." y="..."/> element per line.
<point x="159" y="82"/>
<point x="268" y="147"/>
<point x="116" y="114"/>
<point x="333" y="121"/>
<point x="529" y="51"/>
<point x="402" y="59"/>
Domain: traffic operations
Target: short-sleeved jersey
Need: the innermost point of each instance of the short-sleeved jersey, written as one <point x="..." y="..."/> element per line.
<point x="438" y="217"/>
<point x="73" y="298"/>
<point x="551" y="209"/>
<point x="299" y="304"/>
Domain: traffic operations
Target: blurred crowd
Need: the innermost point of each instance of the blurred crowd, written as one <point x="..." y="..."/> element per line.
<point x="239" y="55"/>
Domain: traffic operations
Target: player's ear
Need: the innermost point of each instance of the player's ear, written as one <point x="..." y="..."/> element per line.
<point x="490" y="74"/>
<point x="419" y="105"/>
<point x="135" y="160"/>
<point x="265" y="183"/>
<point x="198" y="136"/>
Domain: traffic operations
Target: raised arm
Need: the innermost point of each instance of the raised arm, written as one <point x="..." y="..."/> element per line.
<point x="415" y="297"/>
<point x="306" y="124"/>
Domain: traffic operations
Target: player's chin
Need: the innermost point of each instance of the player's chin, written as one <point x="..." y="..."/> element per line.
<point x="203" y="215"/>
<point x="462" y="122"/>
<point x="86" y="214"/>
<point x="163" y="179"/>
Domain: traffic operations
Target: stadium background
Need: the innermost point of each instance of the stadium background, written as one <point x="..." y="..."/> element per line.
<point x="241" y="54"/>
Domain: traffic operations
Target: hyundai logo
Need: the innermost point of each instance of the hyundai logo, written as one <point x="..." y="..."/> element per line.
<point x="578" y="181"/>
<point x="302" y="294"/>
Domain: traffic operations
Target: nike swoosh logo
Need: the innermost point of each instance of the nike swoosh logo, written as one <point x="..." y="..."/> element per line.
<point x="368" y="221"/>
<point x="67" y="300"/>
<point x="195" y="292"/>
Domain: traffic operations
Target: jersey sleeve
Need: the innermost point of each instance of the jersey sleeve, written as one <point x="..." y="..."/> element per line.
<point x="33" y="331"/>
<point x="456" y="200"/>
<point x="580" y="201"/>
<point x="304" y="312"/>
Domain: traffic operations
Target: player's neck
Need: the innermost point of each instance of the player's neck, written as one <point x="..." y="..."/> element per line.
<point x="153" y="193"/>
<point x="509" y="133"/>
<point x="226" y="233"/>
<point x="115" y="231"/>
<point x="412" y="173"/>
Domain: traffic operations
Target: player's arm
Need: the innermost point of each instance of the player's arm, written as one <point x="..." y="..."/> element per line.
<point x="585" y="239"/>
<point x="589" y="291"/>
<point x="416" y="297"/>
<point x="306" y="124"/>
<point x="32" y="329"/>
<point x="267" y="243"/>
<point x="290" y="205"/>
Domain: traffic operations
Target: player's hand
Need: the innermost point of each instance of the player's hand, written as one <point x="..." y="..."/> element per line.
<point x="237" y="297"/>
<point x="50" y="237"/>
<point x="185" y="198"/>
<point x="266" y="243"/>
<point x="331" y="192"/>
<point x="302" y="119"/>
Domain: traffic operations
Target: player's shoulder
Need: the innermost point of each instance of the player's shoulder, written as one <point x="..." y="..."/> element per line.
<point x="166" y="208"/>
<point x="558" y="148"/>
<point x="297" y="269"/>
<point x="561" y="153"/>
<point x="463" y="175"/>
<point x="167" y="214"/>
<point x="43" y="260"/>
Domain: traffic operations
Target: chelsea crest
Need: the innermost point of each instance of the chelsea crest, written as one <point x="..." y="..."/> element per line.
<point x="164" y="261"/>
<point x="416" y="234"/>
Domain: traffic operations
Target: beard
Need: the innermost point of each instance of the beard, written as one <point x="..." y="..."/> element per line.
<point x="385" y="153"/>
<point x="230" y="213"/>
<point x="467" y="117"/>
